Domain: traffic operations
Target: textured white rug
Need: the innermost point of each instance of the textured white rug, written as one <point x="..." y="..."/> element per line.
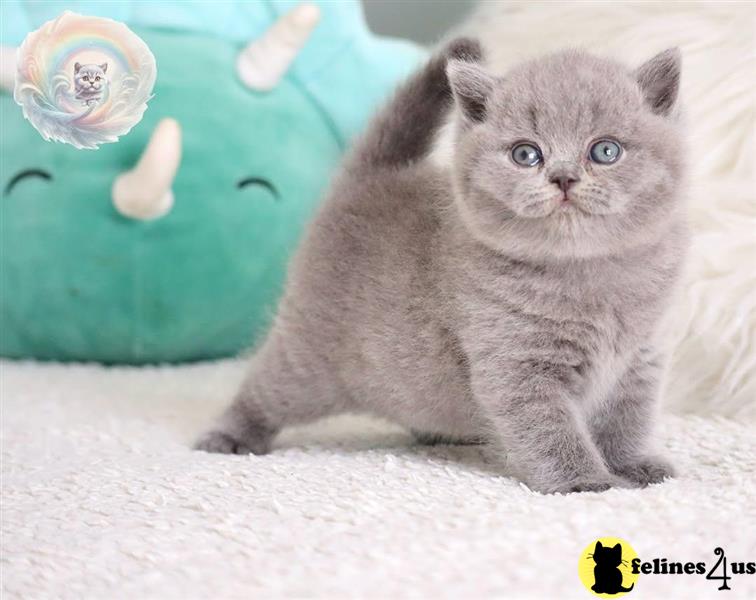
<point x="102" y="498"/>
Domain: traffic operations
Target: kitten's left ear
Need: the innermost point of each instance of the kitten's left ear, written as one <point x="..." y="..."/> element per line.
<point x="104" y="67"/>
<point x="659" y="80"/>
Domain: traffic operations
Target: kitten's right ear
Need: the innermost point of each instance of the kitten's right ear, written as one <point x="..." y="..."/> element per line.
<point x="599" y="546"/>
<point x="471" y="87"/>
<point x="659" y="80"/>
<point x="77" y="66"/>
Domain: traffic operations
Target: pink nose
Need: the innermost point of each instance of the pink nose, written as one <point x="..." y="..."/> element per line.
<point x="564" y="181"/>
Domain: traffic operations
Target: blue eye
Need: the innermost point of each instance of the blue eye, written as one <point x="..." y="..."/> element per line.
<point x="605" y="152"/>
<point x="527" y="155"/>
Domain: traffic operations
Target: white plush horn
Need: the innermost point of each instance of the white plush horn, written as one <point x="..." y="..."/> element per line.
<point x="7" y="67"/>
<point x="145" y="191"/>
<point x="263" y="63"/>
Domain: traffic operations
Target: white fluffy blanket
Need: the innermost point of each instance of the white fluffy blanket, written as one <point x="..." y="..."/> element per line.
<point x="712" y="329"/>
<point x="102" y="498"/>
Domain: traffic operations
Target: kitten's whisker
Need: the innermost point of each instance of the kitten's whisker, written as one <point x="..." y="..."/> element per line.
<point x="531" y="204"/>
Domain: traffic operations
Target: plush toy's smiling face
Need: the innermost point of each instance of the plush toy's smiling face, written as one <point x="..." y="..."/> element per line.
<point x="83" y="282"/>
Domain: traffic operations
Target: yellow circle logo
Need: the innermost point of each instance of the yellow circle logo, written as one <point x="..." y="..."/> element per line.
<point x="605" y="567"/>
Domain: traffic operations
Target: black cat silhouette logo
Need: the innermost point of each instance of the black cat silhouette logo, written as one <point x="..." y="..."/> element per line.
<point x="605" y="567"/>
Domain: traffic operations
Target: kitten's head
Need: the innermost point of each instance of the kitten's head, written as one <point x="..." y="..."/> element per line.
<point x="609" y="557"/>
<point x="569" y="155"/>
<point x="90" y="77"/>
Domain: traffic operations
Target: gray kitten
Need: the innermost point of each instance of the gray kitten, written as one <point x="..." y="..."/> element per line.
<point x="90" y="83"/>
<point x="511" y="300"/>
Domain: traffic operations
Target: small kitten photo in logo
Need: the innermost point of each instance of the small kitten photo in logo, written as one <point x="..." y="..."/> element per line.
<point x="83" y="80"/>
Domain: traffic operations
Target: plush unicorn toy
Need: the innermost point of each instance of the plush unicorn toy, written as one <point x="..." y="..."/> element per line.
<point x="171" y="244"/>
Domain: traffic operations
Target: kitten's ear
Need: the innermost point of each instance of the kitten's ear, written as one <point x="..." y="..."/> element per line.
<point x="599" y="546"/>
<point x="104" y="67"/>
<point x="659" y="80"/>
<point x="617" y="548"/>
<point x="77" y="66"/>
<point x="471" y="87"/>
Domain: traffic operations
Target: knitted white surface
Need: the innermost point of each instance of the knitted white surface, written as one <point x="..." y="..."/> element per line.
<point x="712" y="329"/>
<point x="102" y="498"/>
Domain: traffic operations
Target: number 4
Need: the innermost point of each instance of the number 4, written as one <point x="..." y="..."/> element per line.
<point x="724" y="577"/>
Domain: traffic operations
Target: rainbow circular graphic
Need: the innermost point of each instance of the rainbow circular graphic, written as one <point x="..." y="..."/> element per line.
<point x="84" y="80"/>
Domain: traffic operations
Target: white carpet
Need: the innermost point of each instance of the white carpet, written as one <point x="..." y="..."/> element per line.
<point x="101" y="498"/>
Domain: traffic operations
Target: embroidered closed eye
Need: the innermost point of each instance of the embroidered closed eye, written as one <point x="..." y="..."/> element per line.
<point x="259" y="181"/>
<point x="26" y="173"/>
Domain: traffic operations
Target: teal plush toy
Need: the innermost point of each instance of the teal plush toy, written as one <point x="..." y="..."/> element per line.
<point x="243" y="134"/>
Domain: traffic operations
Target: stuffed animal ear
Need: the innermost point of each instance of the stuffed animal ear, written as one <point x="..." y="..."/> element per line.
<point x="77" y="66"/>
<point x="659" y="80"/>
<point x="471" y="87"/>
<point x="104" y="67"/>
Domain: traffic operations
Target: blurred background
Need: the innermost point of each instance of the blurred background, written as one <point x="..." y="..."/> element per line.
<point x="418" y="20"/>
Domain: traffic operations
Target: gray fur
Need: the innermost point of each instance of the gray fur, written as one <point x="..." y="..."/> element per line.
<point x="476" y="304"/>
<point x="90" y="83"/>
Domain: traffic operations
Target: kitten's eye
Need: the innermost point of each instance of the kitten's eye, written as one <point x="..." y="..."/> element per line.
<point x="605" y="152"/>
<point x="527" y="155"/>
<point x="23" y="175"/>
<point x="258" y="181"/>
<point x="97" y="78"/>
<point x="86" y="78"/>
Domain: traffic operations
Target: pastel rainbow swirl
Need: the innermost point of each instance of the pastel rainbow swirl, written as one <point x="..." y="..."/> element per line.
<point x="44" y="79"/>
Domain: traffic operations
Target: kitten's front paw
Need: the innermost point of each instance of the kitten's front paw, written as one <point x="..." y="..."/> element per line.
<point x="599" y="483"/>
<point x="220" y="442"/>
<point x="646" y="471"/>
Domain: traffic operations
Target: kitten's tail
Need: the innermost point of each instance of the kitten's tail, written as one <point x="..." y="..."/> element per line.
<point x="404" y="130"/>
<point x="632" y="585"/>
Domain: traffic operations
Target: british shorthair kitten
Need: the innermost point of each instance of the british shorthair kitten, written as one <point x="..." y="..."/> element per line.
<point x="511" y="299"/>
<point x="90" y="83"/>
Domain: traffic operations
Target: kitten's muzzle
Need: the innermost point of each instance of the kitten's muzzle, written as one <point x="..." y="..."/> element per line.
<point x="564" y="182"/>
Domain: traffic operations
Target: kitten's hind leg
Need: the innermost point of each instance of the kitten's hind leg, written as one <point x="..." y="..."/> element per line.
<point x="288" y="384"/>
<point x="242" y="429"/>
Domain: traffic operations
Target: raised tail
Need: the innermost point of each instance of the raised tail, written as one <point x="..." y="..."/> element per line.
<point x="404" y="130"/>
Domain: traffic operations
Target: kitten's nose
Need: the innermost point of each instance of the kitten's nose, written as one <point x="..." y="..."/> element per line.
<point x="564" y="181"/>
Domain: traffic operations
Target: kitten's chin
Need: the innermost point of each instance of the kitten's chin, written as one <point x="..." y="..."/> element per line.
<point x="563" y="232"/>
